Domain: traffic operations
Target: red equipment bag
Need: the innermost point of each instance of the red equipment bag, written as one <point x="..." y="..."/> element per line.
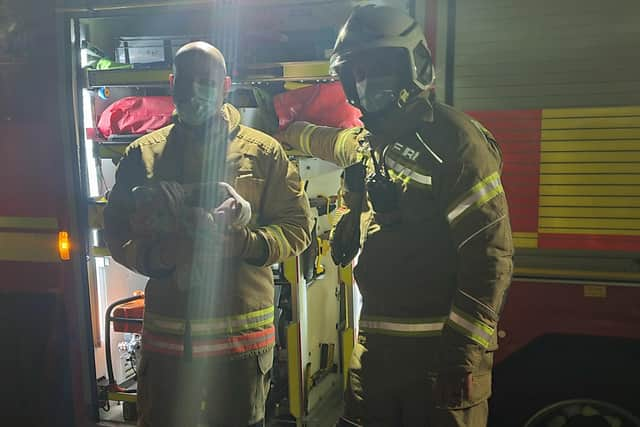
<point x="322" y="104"/>
<point x="129" y="310"/>
<point x="136" y="115"/>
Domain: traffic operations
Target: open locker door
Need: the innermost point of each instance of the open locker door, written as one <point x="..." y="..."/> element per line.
<point x="315" y="300"/>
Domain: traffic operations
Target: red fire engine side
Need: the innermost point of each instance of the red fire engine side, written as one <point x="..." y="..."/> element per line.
<point x="570" y="328"/>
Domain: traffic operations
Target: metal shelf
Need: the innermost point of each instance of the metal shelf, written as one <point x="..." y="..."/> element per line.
<point x="127" y="78"/>
<point x="115" y="151"/>
<point x="111" y="150"/>
<point x="298" y="72"/>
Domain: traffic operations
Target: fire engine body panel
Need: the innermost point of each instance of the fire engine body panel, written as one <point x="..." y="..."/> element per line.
<point x="557" y="85"/>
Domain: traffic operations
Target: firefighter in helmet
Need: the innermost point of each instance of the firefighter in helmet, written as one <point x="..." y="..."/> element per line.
<point x="204" y="207"/>
<point x="424" y="205"/>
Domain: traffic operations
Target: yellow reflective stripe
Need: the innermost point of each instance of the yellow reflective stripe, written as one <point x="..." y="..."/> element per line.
<point x="159" y="343"/>
<point x="257" y="313"/>
<point x="408" y="172"/>
<point x="285" y="242"/>
<point x="477" y="323"/>
<point x="166" y="325"/>
<point x="479" y="340"/>
<point x="279" y="237"/>
<point x="228" y="324"/>
<point x="33" y="247"/>
<point x="233" y="324"/>
<point x="213" y="347"/>
<point x="471" y="328"/>
<point x="339" y="149"/>
<point x="395" y="176"/>
<point x="230" y="327"/>
<point x="155" y="322"/>
<point x="30" y="222"/>
<point x="273" y="232"/>
<point x="407" y="320"/>
<point x="305" y="139"/>
<point x="476" y="197"/>
<point x="241" y="344"/>
<point x="402" y="326"/>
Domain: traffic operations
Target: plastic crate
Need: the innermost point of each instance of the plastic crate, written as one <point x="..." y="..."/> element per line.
<point x="129" y="310"/>
<point x="147" y="50"/>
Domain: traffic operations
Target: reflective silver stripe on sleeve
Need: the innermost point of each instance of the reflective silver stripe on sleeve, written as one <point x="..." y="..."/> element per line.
<point x="476" y="331"/>
<point x="477" y="196"/>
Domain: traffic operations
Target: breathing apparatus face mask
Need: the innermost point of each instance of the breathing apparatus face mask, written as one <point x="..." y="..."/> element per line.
<point x="197" y="104"/>
<point x="373" y="79"/>
<point x="376" y="93"/>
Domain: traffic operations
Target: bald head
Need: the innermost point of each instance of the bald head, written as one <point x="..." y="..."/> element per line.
<point x="201" y="55"/>
<point x="200" y="80"/>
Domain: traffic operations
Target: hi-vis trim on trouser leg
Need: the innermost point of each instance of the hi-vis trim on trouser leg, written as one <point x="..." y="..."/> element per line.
<point x="476" y="197"/>
<point x="469" y="327"/>
<point x="409" y="173"/>
<point x="215" y="326"/>
<point x="233" y="345"/>
<point x="403" y="327"/>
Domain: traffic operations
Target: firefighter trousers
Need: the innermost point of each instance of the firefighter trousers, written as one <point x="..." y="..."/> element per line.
<point x="390" y="387"/>
<point x="202" y="393"/>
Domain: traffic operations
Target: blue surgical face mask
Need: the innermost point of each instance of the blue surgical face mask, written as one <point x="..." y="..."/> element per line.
<point x="203" y="105"/>
<point x="376" y="93"/>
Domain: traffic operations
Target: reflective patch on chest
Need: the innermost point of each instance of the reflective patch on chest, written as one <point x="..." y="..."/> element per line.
<point x="405" y="151"/>
<point x="401" y="162"/>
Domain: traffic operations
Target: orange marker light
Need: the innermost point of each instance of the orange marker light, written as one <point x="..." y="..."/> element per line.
<point x="64" y="246"/>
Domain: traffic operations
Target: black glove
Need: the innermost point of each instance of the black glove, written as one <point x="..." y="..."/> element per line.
<point x="157" y="208"/>
<point x="354" y="177"/>
<point x="382" y="194"/>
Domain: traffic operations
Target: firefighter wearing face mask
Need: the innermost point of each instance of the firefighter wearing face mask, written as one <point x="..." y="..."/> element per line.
<point x="423" y="199"/>
<point x="204" y="207"/>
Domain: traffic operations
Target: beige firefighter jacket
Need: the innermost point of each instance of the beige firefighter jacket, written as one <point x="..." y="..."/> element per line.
<point x="232" y="314"/>
<point x="438" y="275"/>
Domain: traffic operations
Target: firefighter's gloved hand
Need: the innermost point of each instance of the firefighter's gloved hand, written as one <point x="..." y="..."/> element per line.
<point x="143" y="223"/>
<point x="452" y="389"/>
<point x="384" y="200"/>
<point x="206" y="243"/>
<point x="345" y="237"/>
<point x="234" y="211"/>
<point x="161" y="256"/>
<point x="354" y="177"/>
<point x="157" y="208"/>
<point x="211" y="237"/>
<point x="173" y="196"/>
<point x="196" y="220"/>
<point x="382" y="194"/>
